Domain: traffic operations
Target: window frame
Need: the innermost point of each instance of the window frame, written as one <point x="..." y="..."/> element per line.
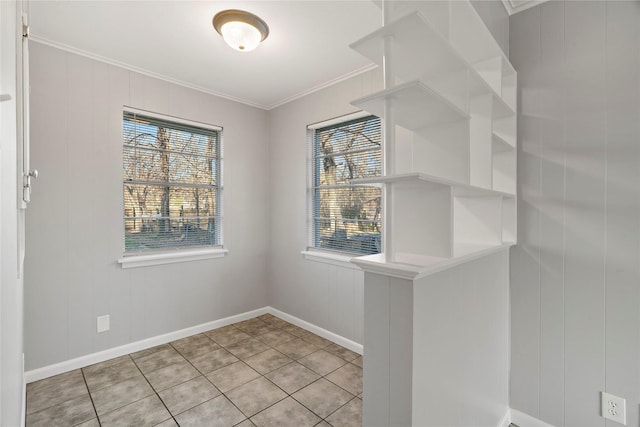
<point x="316" y="253"/>
<point x="171" y="254"/>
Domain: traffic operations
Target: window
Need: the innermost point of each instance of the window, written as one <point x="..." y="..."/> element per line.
<point x="172" y="183"/>
<point x="345" y="217"/>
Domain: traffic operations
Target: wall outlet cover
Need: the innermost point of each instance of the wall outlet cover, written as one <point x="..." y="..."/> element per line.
<point x="613" y="408"/>
<point x="102" y="323"/>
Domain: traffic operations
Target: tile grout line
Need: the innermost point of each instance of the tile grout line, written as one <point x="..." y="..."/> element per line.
<point x="260" y="328"/>
<point x="90" y="397"/>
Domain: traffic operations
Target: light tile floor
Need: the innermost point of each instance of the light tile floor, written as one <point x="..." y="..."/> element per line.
<point x="258" y="372"/>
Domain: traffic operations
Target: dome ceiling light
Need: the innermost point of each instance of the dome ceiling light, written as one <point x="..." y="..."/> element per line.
<point x="241" y="30"/>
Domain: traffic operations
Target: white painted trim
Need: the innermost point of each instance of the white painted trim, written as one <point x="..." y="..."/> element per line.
<point x="506" y="419"/>
<point x="90" y="359"/>
<point x="134" y="261"/>
<point x="377" y="265"/>
<point x="325" y="85"/>
<point x="339" y="119"/>
<point x="524" y="420"/>
<point x="338" y="339"/>
<point x="86" y="54"/>
<point x="166" y="117"/>
<point x="330" y="258"/>
<point x="45" y="41"/>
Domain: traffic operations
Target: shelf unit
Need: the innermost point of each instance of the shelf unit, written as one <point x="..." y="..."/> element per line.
<point x="450" y="104"/>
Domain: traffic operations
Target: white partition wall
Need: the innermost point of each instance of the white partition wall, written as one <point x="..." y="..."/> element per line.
<point x="450" y="217"/>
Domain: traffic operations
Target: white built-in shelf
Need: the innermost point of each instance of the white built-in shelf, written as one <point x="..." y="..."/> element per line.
<point x="414" y="106"/>
<point x="453" y="91"/>
<point x="418" y="50"/>
<point x="500" y="143"/>
<point x="412" y="266"/>
<point x="459" y="189"/>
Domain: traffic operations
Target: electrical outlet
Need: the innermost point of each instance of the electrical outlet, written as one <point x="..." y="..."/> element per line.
<point x="102" y="323"/>
<point x="613" y="408"/>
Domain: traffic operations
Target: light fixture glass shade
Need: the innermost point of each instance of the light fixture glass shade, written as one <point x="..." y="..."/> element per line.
<point x="243" y="31"/>
<point x="241" y="36"/>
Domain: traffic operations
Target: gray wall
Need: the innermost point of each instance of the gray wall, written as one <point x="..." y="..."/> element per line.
<point x="11" y="331"/>
<point x="575" y="279"/>
<point x="74" y="224"/>
<point x="326" y="295"/>
<point x="76" y="212"/>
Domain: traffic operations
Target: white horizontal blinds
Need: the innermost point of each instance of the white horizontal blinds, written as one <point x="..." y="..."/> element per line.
<point x="172" y="184"/>
<point x="347" y="217"/>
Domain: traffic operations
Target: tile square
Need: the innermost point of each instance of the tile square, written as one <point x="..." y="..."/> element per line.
<point x="246" y="423"/>
<point x="349" y="377"/>
<point x="275" y="321"/>
<point x="286" y="413"/>
<point x="171" y="375"/>
<point x="256" y="329"/>
<point x="267" y="361"/>
<point x="255" y="396"/>
<point x="350" y="415"/>
<point x="159" y="359"/>
<point x="295" y="330"/>
<point x="322" y="362"/>
<point x="75" y="411"/>
<point x="226" y="337"/>
<point x="118" y="395"/>
<point x="276" y="337"/>
<point x="296" y="348"/>
<point x="91" y="369"/>
<point x="109" y="375"/>
<point x="54" y="390"/>
<point x="341" y="352"/>
<point x="142" y="353"/>
<point x="187" y="395"/>
<point x="357" y="361"/>
<point x="169" y="423"/>
<point x="316" y="340"/>
<point x="247" y="348"/>
<point x="146" y="412"/>
<point x="232" y="376"/>
<point x="292" y="377"/>
<point x="91" y="423"/>
<point x="214" y="360"/>
<point x="218" y="412"/>
<point x="194" y="346"/>
<point x="322" y="397"/>
<point x="248" y="322"/>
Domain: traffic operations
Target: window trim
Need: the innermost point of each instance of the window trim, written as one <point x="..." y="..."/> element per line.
<point x="312" y="253"/>
<point x="176" y="254"/>
<point x="160" y="258"/>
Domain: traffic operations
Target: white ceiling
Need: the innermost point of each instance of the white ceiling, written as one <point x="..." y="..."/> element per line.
<point x="307" y="47"/>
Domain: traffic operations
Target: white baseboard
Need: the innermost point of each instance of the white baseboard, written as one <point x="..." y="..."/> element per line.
<point x="90" y="359"/>
<point x="524" y="420"/>
<point x="506" y="419"/>
<point x="340" y="340"/>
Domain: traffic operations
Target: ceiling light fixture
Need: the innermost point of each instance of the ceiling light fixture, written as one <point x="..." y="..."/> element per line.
<point x="241" y="30"/>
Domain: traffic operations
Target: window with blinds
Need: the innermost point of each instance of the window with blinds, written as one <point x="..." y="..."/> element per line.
<point x="346" y="217"/>
<point x="172" y="183"/>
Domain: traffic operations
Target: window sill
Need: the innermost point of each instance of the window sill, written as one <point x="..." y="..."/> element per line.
<point x="135" y="261"/>
<point x="330" y="258"/>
